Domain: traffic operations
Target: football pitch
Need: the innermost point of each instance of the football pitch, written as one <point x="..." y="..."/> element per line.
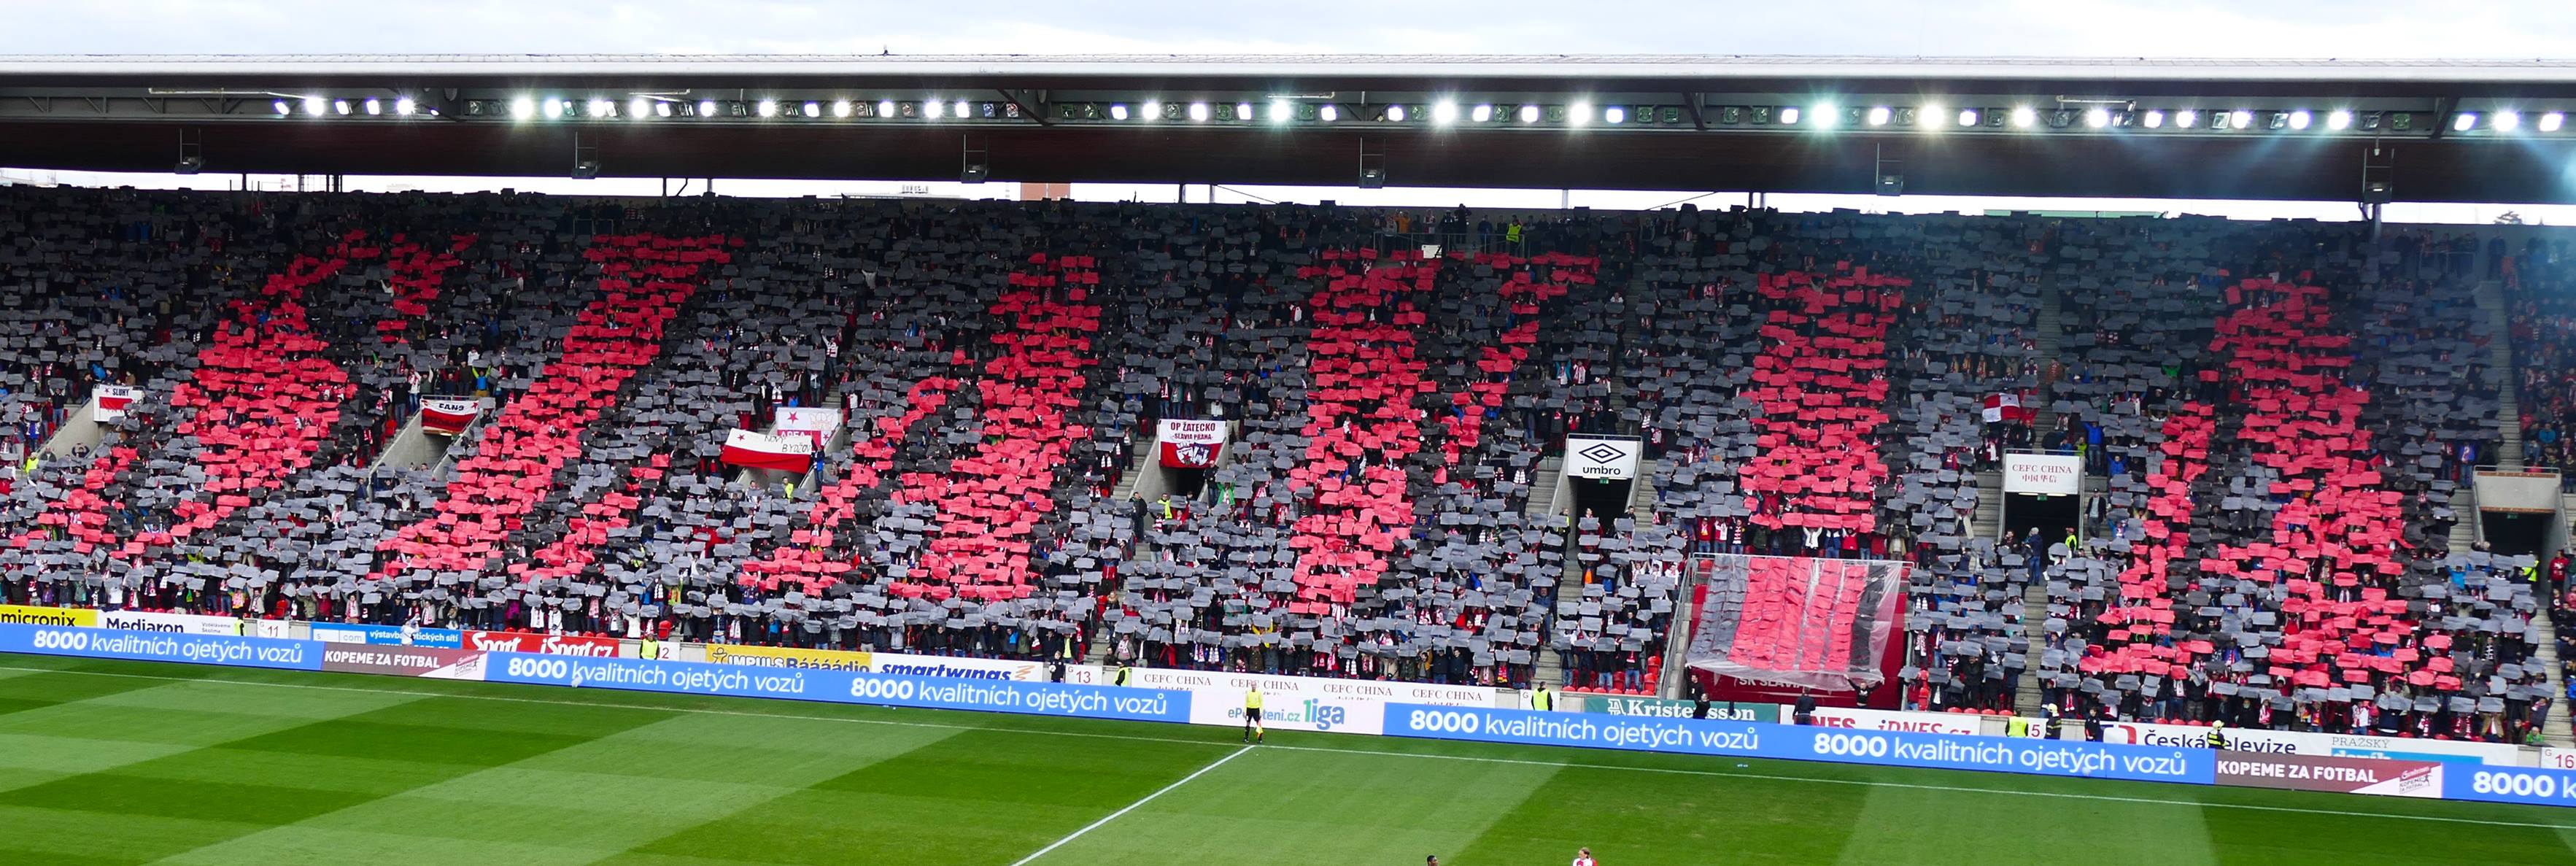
<point x="128" y="763"/>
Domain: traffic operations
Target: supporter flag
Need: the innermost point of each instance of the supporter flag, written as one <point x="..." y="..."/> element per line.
<point x="112" y="400"/>
<point x="448" y="416"/>
<point x="2006" y="407"/>
<point x="788" y="453"/>
<point x="1189" y="444"/>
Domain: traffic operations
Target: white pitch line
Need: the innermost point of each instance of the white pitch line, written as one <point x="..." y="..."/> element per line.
<point x="1373" y="752"/>
<point x="1077" y="834"/>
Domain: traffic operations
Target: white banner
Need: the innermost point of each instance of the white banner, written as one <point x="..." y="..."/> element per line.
<point x="168" y="623"/>
<point x="963" y="668"/>
<point x="2556" y="758"/>
<point x="1601" y="459"/>
<point x="1890" y="720"/>
<point x="1296" y="703"/>
<point x="2052" y="474"/>
<point x="111" y="401"/>
<point x="811" y="422"/>
<point x="2314" y="744"/>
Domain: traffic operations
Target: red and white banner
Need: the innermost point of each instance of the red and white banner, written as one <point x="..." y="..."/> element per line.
<point x="112" y="400"/>
<point x="810" y="422"/>
<point x="2007" y="407"/>
<point x="550" y="644"/>
<point x="1890" y="720"/>
<point x="1190" y="444"/>
<point x="2378" y="776"/>
<point x="793" y="453"/>
<point x="448" y="416"/>
<point x="405" y="661"/>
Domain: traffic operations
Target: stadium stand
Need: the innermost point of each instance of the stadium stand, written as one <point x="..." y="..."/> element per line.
<point x="2278" y="416"/>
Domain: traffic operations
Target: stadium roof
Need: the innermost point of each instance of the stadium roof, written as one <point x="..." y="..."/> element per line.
<point x="2430" y="130"/>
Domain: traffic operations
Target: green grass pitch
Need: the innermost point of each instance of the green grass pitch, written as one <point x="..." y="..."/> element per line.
<point x="128" y="763"/>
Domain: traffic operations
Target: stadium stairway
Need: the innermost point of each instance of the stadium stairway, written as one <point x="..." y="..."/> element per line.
<point x="80" y="429"/>
<point x="1641" y="492"/>
<point x="1136" y="462"/>
<point x="411" y="448"/>
<point x="2464" y="529"/>
<point x="2501" y="374"/>
<point x="2563" y="733"/>
<point x="2034" y="623"/>
<point x="2051" y="327"/>
<point x="2050" y="324"/>
<point x="1543" y="486"/>
<point x="1988" y="522"/>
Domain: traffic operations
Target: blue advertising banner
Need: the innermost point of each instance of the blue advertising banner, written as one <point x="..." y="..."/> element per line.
<point x="198" y="649"/>
<point x="1805" y="743"/>
<point x="386" y="635"/>
<point x="2510" y="785"/>
<point x="843" y="686"/>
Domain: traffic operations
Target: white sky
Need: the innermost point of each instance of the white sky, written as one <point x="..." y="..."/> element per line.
<point x="2374" y="29"/>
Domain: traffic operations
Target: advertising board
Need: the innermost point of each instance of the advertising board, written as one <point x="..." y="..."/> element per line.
<point x="1667" y="708"/>
<point x="250" y="652"/>
<point x="544" y="644"/>
<point x="32" y="615"/>
<point x="787" y="657"/>
<point x="404" y="661"/>
<point x="386" y="635"/>
<point x="170" y="623"/>
<point x="2317" y="744"/>
<point x="1804" y="743"/>
<point x="841" y="686"/>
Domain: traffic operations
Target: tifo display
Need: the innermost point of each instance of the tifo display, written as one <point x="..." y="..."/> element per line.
<point x="1829" y="462"/>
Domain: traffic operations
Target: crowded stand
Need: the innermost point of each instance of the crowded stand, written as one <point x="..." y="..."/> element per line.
<point x="2284" y="562"/>
<point x="2275" y="416"/>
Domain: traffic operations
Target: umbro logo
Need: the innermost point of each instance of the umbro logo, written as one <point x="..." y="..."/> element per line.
<point x="1603" y="452"/>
